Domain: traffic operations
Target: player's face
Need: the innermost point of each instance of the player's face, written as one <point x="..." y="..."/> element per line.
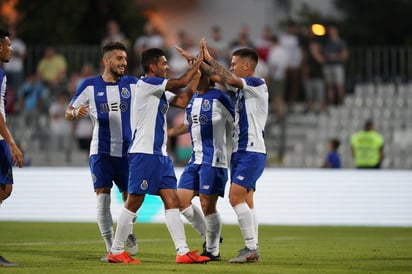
<point x="162" y="67"/>
<point x="237" y="66"/>
<point x="5" y="50"/>
<point x="117" y="62"/>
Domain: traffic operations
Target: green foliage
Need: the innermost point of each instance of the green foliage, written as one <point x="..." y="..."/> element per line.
<point x="76" y="248"/>
<point x="384" y="22"/>
<point x="75" y="21"/>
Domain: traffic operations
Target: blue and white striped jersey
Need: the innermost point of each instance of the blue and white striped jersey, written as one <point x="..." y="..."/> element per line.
<point x="251" y="111"/>
<point x="109" y="110"/>
<point x="3" y="91"/>
<point x="207" y="115"/>
<point x="149" y="107"/>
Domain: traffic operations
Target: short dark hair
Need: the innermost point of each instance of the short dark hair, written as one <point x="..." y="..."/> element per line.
<point x="112" y="46"/>
<point x="368" y="124"/>
<point x="246" y="53"/>
<point x="335" y="143"/>
<point x="151" y="56"/>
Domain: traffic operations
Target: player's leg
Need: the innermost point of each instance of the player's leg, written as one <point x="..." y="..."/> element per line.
<point x="187" y="189"/>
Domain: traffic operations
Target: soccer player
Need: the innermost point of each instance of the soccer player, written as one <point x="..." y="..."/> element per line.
<point x="106" y="99"/>
<point x="151" y="169"/>
<point x="207" y="115"/>
<point x="10" y="154"/>
<point x="248" y="147"/>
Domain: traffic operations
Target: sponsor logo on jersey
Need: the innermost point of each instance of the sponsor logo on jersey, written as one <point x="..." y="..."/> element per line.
<point x="100" y="93"/>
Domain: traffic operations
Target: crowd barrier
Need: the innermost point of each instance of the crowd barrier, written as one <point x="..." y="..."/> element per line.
<point x="284" y="197"/>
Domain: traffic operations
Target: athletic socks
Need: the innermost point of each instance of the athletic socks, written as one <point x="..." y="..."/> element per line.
<point x="176" y="229"/>
<point x="195" y="217"/>
<point x="213" y="231"/>
<point x="124" y="226"/>
<point x="255" y="224"/>
<point x="104" y="219"/>
<point x="246" y="225"/>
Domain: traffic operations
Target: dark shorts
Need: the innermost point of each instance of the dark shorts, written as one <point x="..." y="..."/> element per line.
<point x="107" y="169"/>
<point x="6" y="164"/>
<point x="206" y="179"/>
<point x="149" y="173"/>
<point x="246" y="168"/>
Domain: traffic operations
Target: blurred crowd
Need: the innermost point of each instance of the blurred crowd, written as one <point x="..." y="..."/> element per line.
<point x="299" y="67"/>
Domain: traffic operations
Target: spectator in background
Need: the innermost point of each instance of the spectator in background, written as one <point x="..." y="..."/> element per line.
<point x="277" y="63"/>
<point x="263" y="44"/>
<point x="290" y="41"/>
<point x="242" y="41"/>
<point x="15" y="68"/>
<point x="52" y="70"/>
<point x="61" y="129"/>
<point x="151" y="38"/>
<point x="367" y="147"/>
<point x="312" y="75"/>
<point x="333" y="158"/>
<point x="114" y="34"/>
<point x="218" y="45"/>
<point x="336" y="53"/>
<point x="32" y="100"/>
<point x="178" y="64"/>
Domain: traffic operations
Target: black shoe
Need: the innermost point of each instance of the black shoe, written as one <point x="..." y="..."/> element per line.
<point x="204" y="244"/>
<point x="211" y="256"/>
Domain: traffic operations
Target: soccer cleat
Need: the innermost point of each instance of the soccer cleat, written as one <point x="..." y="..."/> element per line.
<point x="122" y="258"/>
<point x="211" y="256"/>
<point x="246" y="255"/>
<point x="191" y="257"/>
<point x="4" y="262"/>
<point x="104" y="258"/>
<point x="131" y="244"/>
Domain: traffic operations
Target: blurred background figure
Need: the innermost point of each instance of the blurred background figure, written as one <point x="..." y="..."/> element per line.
<point x="333" y="157"/>
<point x="277" y="64"/>
<point x="289" y="40"/>
<point x="367" y="147"/>
<point x="218" y="44"/>
<point x="336" y="53"/>
<point x="151" y="38"/>
<point x="114" y="34"/>
<point x="52" y="70"/>
<point x="15" y="67"/>
<point x="61" y="130"/>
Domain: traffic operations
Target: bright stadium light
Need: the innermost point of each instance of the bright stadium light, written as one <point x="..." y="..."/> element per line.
<point x="318" y="29"/>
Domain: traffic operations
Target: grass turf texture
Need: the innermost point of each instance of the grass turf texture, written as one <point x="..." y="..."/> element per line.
<point x="77" y="248"/>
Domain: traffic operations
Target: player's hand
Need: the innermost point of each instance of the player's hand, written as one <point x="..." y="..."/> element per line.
<point x="17" y="156"/>
<point x="206" y="55"/>
<point x="82" y="111"/>
<point x="190" y="58"/>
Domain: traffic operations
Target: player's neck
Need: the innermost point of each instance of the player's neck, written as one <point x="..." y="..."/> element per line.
<point x="109" y="77"/>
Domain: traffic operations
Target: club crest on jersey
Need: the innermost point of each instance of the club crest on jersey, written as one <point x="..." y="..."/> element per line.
<point x="206" y="105"/>
<point x="125" y="93"/>
<point x="144" y="185"/>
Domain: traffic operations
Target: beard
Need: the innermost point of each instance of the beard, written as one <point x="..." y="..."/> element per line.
<point x="116" y="73"/>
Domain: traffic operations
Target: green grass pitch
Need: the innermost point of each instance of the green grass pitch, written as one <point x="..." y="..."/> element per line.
<point x="44" y="248"/>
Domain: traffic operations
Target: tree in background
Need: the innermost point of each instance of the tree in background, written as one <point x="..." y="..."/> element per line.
<point x="76" y="21"/>
<point x="384" y="22"/>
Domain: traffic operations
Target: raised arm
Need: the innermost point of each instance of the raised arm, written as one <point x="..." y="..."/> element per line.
<point x="183" y="80"/>
<point x="183" y="98"/>
<point x="215" y="68"/>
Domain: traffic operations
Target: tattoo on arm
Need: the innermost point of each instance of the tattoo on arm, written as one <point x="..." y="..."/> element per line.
<point x="220" y="70"/>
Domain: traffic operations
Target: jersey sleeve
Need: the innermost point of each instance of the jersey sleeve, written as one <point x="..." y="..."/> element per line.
<point x="80" y="97"/>
<point x="253" y="85"/>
